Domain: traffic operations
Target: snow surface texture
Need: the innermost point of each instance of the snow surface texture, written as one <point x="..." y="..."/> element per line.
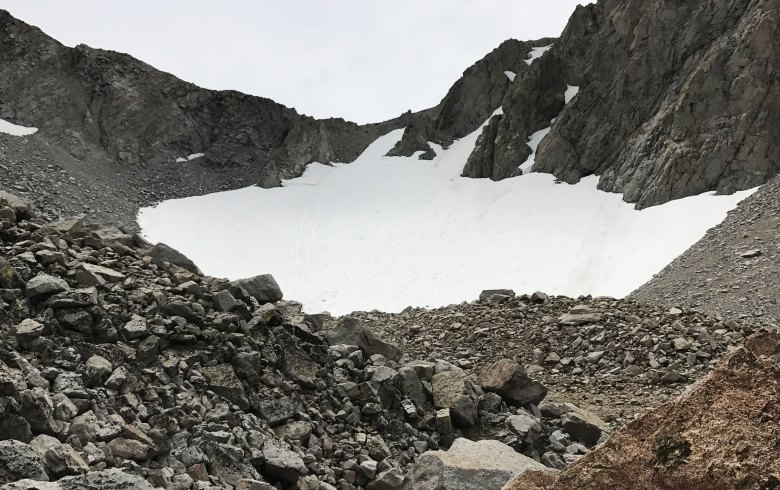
<point x="14" y="130"/>
<point x="390" y="232"/>
<point x="537" y="53"/>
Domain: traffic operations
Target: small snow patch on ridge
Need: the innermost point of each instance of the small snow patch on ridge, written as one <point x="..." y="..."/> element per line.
<point x="190" y="158"/>
<point x="571" y="92"/>
<point x="15" y="130"/>
<point x="533" y="142"/>
<point x="537" y="53"/>
<point x="510" y="75"/>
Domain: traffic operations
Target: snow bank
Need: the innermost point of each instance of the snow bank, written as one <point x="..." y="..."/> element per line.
<point x="389" y="232"/>
<point x="537" y="53"/>
<point x="15" y="130"/>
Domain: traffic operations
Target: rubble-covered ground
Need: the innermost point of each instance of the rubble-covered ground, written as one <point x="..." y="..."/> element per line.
<point x="614" y="357"/>
<point x="122" y="366"/>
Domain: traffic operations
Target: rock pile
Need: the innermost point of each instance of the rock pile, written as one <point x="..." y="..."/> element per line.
<point x="611" y="356"/>
<point x="121" y="363"/>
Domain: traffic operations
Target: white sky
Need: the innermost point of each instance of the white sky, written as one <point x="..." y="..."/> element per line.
<point x="364" y="60"/>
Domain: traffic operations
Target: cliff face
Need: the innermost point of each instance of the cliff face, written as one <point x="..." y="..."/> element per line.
<point x="676" y="98"/>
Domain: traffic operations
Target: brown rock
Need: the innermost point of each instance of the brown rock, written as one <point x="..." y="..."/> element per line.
<point x="721" y="434"/>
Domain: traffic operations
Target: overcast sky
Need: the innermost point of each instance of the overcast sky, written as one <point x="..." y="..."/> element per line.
<point x="364" y="60"/>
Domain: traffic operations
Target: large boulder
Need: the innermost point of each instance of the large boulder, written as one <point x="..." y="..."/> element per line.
<point x="22" y="207"/>
<point x="454" y="390"/>
<point x="44" y="285"/>
<point x="467" y="465"/>
<point x="223" y="381"/>
<point x="19" y="461"/>
<point x="350" y="331"/>
<point x="263" y="288"/>
<point x="281" y="462"/>
<point x="509" y="379"/>
<point x="162" y="254"/>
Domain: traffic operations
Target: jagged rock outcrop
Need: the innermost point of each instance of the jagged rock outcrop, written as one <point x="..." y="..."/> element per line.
<point x="720" y="434"/>
<point x="535" y="98"/>
<point x="470" y="101"/>
<point x="676" y="98"/>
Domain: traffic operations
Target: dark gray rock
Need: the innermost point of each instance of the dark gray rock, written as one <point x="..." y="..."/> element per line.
<point x="19" y="461"/>
<point x="276" y="410"/>
<point x="350" y="331"/>
<point x="162" y="254"/>
<point x="660" y="141"/>
<point x="508" y="379"/>
<point x="263" y="288"/>
<point x="223" y="381"/>
<point x="44" y="285"/>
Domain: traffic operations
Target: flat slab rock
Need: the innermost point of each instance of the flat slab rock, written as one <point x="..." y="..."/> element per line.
<point x="467" y="465"/>
<point x="111" y="479"/>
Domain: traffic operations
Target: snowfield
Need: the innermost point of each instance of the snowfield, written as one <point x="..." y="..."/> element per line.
<point x="15" y="130"/>
<point x="389" y="232"/>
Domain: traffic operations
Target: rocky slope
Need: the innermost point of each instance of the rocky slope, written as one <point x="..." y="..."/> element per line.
<point x="733" y="270"/>
<point x="629" y="355"/>
<point x="676" y="98"/>
<point x="122" y="366"/>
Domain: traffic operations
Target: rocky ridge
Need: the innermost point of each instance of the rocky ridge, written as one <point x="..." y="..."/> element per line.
<point x="113" y="126"/>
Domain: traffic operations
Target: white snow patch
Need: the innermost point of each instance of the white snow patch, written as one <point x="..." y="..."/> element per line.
<point x="533" y="142"/>
<point x="571" y="92"/>
<point x="389" y="232"/>
<point x="15" y="130"/>
<point x="510" y="75"/>
<point x="538" y="136"/>
<point x="191" y="157"/>
<point x="537" y="53"/>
